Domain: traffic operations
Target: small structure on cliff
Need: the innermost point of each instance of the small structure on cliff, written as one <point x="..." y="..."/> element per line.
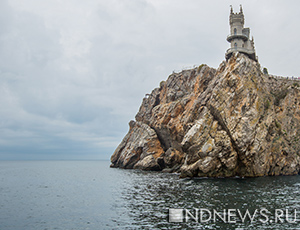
<point x="225" y="122"/>
<point x="239" y="37"/>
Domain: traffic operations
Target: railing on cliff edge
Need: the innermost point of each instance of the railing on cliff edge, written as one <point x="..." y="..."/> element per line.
<point x="285" y="78"/>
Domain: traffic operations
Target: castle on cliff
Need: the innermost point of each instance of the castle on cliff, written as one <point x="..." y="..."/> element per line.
<point x="239" y="37"/>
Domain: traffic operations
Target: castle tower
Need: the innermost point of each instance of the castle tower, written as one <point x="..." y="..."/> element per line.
<point x="239" y="37"/>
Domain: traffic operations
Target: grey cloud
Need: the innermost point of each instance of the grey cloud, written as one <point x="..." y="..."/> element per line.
<point x="73" y="73"/>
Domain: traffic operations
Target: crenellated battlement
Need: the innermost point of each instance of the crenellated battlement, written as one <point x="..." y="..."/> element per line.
<point x="236" y="17"/>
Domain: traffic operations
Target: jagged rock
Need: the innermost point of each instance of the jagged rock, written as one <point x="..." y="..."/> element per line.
<point x="140" y="142"/>
<point x="147" y="163"/>
<point x="172" y="157"/>
<point x="233" y="121"/>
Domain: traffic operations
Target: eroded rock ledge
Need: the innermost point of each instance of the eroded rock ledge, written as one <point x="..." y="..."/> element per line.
<point x="233" y="121"/>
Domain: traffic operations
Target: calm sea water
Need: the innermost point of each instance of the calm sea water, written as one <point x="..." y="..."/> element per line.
<point x="90" y="195"/>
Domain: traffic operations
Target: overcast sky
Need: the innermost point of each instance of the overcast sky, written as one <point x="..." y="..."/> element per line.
<point x="73" y="73"/>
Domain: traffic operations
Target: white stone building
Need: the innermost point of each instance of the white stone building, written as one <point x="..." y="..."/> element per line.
<point x="239" y="37"/>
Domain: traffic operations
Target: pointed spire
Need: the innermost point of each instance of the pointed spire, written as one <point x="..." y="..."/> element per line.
<point x="231" y="9"/>
<point x="241" y="9"/>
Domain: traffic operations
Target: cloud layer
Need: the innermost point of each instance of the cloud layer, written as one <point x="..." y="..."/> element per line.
<point x="73" y="73"/>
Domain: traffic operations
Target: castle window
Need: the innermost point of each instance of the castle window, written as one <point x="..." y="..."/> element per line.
<point x="235" y="45"/>
<point x="235" y="31"/>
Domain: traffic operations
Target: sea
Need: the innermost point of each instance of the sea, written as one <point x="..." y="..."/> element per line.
<point x="46" y="195"/>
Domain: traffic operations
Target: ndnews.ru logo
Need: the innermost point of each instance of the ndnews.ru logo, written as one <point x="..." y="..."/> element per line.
<point x="203" y="215"/>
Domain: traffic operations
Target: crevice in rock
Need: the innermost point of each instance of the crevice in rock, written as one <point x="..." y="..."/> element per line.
<point x="165" y="143"/>
<point x="157" y="101"/>
<point x="134" y="159"/>
<point x="217" y="116"/>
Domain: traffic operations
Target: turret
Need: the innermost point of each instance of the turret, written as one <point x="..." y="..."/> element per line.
<point x="239" y="37"/>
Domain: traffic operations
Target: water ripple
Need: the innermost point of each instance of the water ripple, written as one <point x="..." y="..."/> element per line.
<point x="90" y="195"/>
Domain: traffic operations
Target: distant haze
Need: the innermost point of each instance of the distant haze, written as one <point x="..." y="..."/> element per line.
<point x="73" y="73"/>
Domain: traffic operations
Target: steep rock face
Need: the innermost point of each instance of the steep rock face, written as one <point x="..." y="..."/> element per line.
<point x="140" y="142"/>
<point x="233" y="121"/>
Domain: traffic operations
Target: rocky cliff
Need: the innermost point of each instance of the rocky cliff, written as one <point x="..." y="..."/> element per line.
<point x="233" y="121"/>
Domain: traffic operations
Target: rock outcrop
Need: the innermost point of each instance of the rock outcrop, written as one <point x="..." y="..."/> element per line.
<point x="203" y="122"/>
